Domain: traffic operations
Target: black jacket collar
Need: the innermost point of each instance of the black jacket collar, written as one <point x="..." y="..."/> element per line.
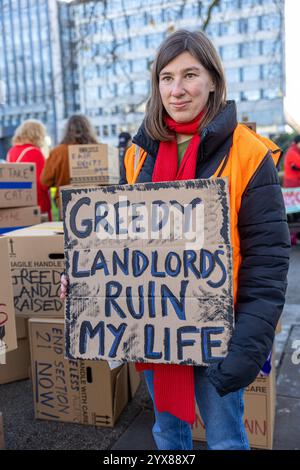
<point x="212" y="136"/>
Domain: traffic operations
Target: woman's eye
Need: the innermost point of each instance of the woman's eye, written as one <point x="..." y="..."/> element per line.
<point x="166" y="79"/>
<point x="190" y="75"/>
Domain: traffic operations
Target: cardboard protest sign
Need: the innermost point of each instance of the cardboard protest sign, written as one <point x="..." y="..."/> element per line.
<point x="94" y="163"/>
<point x="150" y="270"/>
<point x="17" y="185"/>
<point x="291" y="198"/>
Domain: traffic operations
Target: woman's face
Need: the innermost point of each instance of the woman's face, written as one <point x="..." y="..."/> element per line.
<point x="184" y="86"/>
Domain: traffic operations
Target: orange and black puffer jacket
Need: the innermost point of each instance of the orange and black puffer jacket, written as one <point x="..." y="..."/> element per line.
<point x="259" y="233"/>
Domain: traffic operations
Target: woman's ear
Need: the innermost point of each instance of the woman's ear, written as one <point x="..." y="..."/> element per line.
<point x="212" y="87"/>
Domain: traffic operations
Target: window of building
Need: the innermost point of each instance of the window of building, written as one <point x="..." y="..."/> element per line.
<point x="123" y="67"/>
<point x="105" y="130"/>
<point x="154" y="40"/>
<point x="272" y="93"/>
<point x="247" y="3"/>
<point x="243" y="26"/>
<point x="270" y="22"/>
<point x="115" y="110"/>
<point x="156" y="18"/>
<point x="270" y="48"/>
<point x="123" y="47"/>
<point x="232" y="75"/>
<point x="119" y="24"/>
<point x="250" y="49"/>
<point x="271" y="71"/>
<point x="228" y="5"/>
<point x="253" y="24"/>
<point x="136" y="22"/>
<point x="251" y="73"/>
<point x="250" y="95"/>
<point x="113" y="5"/>
<point x="138" y="43"/>
<point x="139" y="65"/>
<point x="141" y="87"/>
<point x="172" y="14"/>
<point x="113" y="129"/>
<point x="229" y="28"/>
<point x="213" y="30"/>
<point x="124" y="88"/>
<point x="230" y="52"/>
<point x="191" y="10"/>
<point x="108" y="91"/>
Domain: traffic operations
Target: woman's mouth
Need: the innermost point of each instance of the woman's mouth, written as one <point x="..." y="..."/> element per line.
<point x="179" y="105"/>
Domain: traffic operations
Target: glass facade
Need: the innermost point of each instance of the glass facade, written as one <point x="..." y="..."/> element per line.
<point x="26" y="67"/>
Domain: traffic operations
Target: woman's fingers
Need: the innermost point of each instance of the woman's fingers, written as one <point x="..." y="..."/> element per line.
<point x="64" y="282"/>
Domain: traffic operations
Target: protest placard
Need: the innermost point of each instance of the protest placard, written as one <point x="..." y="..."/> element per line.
<point x="150" y="271"/>
<point x="291" y="198"/>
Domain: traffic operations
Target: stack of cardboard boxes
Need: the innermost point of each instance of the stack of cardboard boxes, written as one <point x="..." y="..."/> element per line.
<point x="18" y="196"/>
<point x="32" y="262"/>
<point x="87" y="392"/>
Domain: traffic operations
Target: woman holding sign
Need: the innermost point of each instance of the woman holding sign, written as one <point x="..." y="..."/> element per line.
<point x="189" y="132"/>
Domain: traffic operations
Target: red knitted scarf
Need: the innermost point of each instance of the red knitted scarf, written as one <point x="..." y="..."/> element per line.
<point x="174" y="384"/>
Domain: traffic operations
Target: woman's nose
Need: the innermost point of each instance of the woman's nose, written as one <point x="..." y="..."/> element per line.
<point x="177" y="88"/>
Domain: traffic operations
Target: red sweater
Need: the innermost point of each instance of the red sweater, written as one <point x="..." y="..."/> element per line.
<point x="33" y="155"/>
<point x="292" y="167"/>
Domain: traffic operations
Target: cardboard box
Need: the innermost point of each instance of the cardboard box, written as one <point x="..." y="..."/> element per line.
<point x="259" y="415"/>
<point x="17" y="363"/>
<point x="86" y="392"/>
<point x="22" y="327"/>
<point x="36" y="260"/>
<point x="18" y="217"/>
<point x="17" y="185"/>
<point x="94" y="164"/>
<point x="8" y="336"/>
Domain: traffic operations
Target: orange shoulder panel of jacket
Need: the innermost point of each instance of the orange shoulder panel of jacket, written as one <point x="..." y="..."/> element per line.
<point x="276" y="151"/>
<point x="246" y="154"/>
<point x="129" y="163"/>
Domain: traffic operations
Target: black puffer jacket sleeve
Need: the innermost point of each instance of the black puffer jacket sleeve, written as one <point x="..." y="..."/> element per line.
<point x="265" y="245"/>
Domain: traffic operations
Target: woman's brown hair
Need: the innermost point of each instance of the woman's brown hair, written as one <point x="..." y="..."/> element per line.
<point x="78" y="131"/>
<point x="200" y="47"/>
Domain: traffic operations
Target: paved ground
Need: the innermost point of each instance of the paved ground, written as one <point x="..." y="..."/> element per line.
<point x="133" y="430"/>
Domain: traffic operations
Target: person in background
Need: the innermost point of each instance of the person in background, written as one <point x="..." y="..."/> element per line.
<point x="27" y="141"/>
<point x="291" y="177"/>
<point x="78" y="130"/>
<point x="125" y="142"/>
